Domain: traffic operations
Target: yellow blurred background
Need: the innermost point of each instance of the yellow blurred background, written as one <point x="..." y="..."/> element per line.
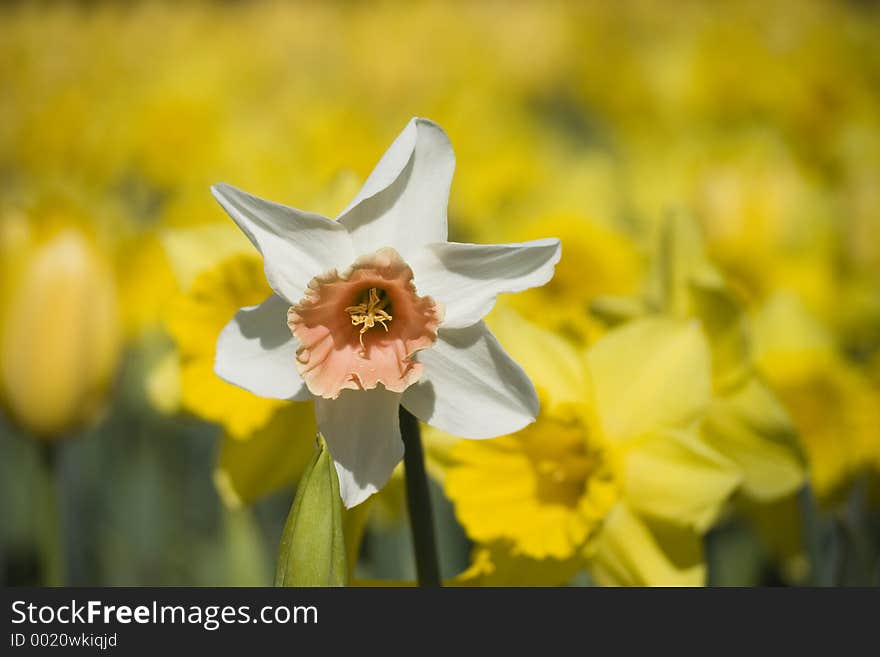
<point x="124" y="461"/>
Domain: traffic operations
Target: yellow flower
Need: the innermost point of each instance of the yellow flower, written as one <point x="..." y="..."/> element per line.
<point x="744" y="421"/>
<point x="833" y="403"/>
<point x="267" y="443"/>
<point x="545" y="489"/>
<point x="498" y="566"/>
<point x="683" y="422"/>
<point x="59" y="326"/>
<point x="268" y="459"/>
<point x="595" y="261"/>
<point x="194" y="320"/>
<point x="613" y="476"/>
<point x="145" y="282"/>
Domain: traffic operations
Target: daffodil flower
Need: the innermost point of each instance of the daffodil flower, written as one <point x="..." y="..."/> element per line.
<point x="376" y="310"/>
<point x="745" y="420"/>
<point x="614" y="476"/>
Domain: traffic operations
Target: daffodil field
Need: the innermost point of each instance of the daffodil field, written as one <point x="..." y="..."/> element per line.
<point x="666" y="214"/>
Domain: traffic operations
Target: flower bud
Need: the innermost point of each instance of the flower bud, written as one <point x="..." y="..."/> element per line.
<point x="59" y="334"/>
<point x="312" y="546"/>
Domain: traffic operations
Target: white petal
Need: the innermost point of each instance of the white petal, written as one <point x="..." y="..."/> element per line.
<point x="466" y="278"/>
<point x="296" y="245"/>
<point x="471" y="387"/>
<point x="403" y="202"/>
<point x="362" y="430"/>
<point x="256" y="351"/>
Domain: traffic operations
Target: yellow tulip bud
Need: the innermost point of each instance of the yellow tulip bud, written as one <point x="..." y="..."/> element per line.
<point x="60" y="334"/>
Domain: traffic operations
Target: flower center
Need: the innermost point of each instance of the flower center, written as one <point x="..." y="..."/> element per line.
<point x="333" y="319"/>
<point x="552" y="484"/>
<point x="370" y="311"/>
<point x="563" y="482"/>
<point x="572" y="467"/>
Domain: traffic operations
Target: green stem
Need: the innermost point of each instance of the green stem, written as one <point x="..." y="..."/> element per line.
<point x="418" y="501"/>
<point x="50" y="535"/>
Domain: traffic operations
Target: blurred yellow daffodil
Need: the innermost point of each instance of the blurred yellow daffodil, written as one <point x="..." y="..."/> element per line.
<point x="744" y="421"/>
<point x="614" y="475"/>
<point x="833" y="403"/>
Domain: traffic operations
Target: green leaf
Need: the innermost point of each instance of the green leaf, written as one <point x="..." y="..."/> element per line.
<point x="312" y="551"/>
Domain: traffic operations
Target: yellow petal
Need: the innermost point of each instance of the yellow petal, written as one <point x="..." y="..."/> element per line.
<point x="751" y="428"/>
<point x="194" y="320"/>
<point x="196" y="249"/>
<point x="595" y="260"/>
<point x="500" y="492"/>
<point x="146" y="283"/>
<point x="497" y="565"/>
<point x="271" y="458"/>
<point x="211" y="398"/>
<point x="726" y="327"/>
<point x="650" y="374"/>
<point x="836" y="412"/>
<point x="676" y="477"/>
<point x="790" y="343"/>
<point x="630" y="552"/>
<point x="554" y="365"/>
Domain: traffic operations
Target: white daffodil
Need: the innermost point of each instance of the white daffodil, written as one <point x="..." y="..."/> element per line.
<point x="376" y="309"/>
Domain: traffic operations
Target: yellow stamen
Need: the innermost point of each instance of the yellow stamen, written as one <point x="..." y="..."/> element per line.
<point x="368" y="314"/>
